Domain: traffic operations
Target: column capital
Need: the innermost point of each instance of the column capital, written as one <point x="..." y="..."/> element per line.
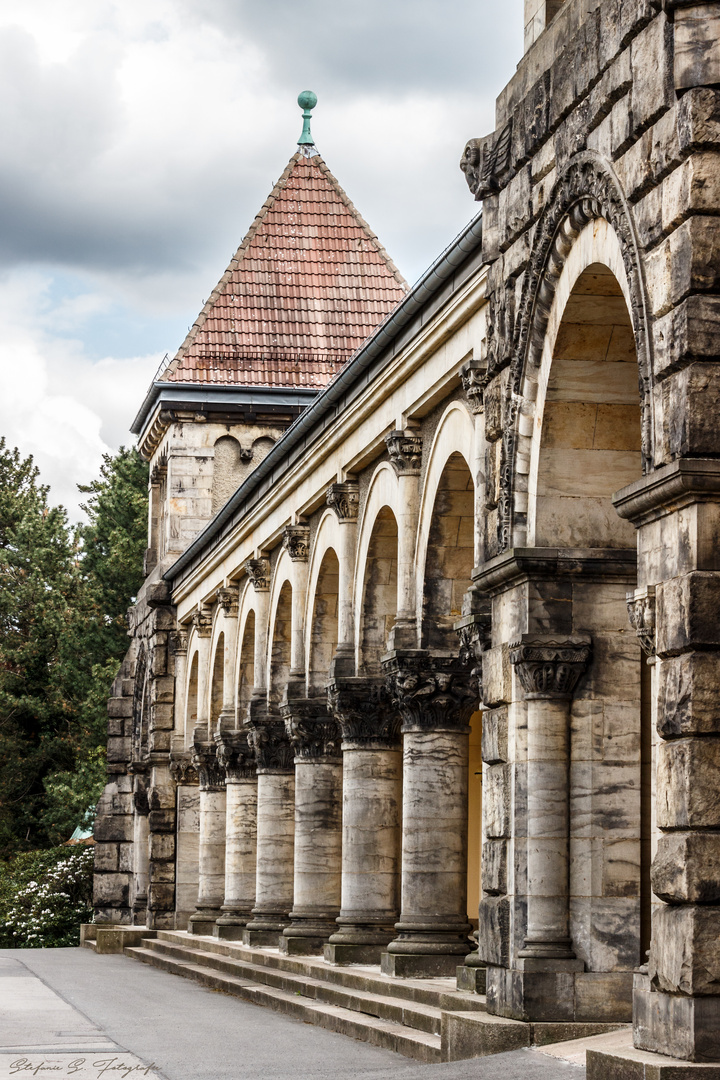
<point x="268" y="740"/>
<point x="313" y="732"/>
<point x="228" y="599"/>
<point x="296" y="541"/>
<point x="432" y="692"/>
<point x="405" y="452"/>
<point x="641" y="613"/>
<point x="365" y="712"/>
<point x="183" y="772"/>
<point x="344" y="499"/>
<point x="179" y="640"/>
<point x="202" y="621"/>
<point x="235" y="755"/>
<point x="550" y="667"/>
<point x="210" y="775"/>
<point x="474" y="377"/>
<point x="258" y="570"/>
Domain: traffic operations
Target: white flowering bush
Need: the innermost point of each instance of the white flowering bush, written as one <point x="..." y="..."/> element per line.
<point x="44" y="897"/>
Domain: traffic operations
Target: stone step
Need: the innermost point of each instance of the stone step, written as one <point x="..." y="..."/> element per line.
<point x="439" y="993"/>
<point x="387" y="1034"/>
<point x="89" y="945"/>
<point x="427" y="1018"/>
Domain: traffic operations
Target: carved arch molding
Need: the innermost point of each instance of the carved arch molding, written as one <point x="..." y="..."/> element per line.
<point x="587" y="190"/>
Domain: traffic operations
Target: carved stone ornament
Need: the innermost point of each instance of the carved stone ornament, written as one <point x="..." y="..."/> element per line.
<point x="296" y="541"/>
<point x="228" y="599"/>
<point x="405" y="452"/>
<point x="431" y="693"/>
<point x="179" y="641"/>
<point x="271" y="746"/>
<point x="235" y="755"/>
<point x="474" y="379"/>
<point x="210" y="775"/>
<point x="314" y="734"/>
<point x="202" y="621"/>
<point x="344" y="499"/>
<point x="550" y="668"/>
<point x="183" y="772"/>
<point x="486" y="162"/>
<point x="586" y="191"/>
<point x="364" y="710"/>
<point x="258" y="570"/>
<point x="141" y="804"/>
<point x="473" y="632"/>
<point x="641" y="612"/>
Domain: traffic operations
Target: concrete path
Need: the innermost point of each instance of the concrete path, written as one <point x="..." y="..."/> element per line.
<point x="69" y="1012"/>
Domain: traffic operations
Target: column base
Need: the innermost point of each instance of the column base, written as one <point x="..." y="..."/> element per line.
<point x="265" y="928"/>
<point x="625" y="1062"/>
<point x="261" y="939"/>
<point x="686" y="1028"/>
<point x="559" y="991"/>
<point x="307" y="934"/>
<point x="342" y="955"/>
<point x="231" y="927"/>
<point x="471" y="979"/>
<point x="203" y="921"/>
<point x="419" y="965"/>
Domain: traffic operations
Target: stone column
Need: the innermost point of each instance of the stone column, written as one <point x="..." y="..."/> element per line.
<point x="275" y="825"/>
<point x="202" y="621"/>
<point x="315" y="737"/>
<point x="141" y="851"/>
<point x="237" y="759"/>
<point x="344" y="499"/>
<point x="228" y="599"/>
<point x="549" y="670"/>
<point x="372" y="806"/>
<point x="405" y="451"/>
<point x="211" y="869"/>
<point x="435" y="695"/>
<point x="179" y="647"/>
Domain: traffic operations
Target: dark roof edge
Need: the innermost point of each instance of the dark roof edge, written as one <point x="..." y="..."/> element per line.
<point x="219" y="393"/>
<point x="464" y="245"/>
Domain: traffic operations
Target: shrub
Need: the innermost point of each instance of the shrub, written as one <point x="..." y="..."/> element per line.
<point x="44" y="896"/>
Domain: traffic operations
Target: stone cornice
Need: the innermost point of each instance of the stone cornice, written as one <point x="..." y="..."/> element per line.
<point x="519" y="565"/>
<point x="670" y="488"/>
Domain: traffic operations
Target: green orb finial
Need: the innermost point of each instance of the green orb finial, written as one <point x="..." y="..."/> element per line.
<point x="307" y="101"/>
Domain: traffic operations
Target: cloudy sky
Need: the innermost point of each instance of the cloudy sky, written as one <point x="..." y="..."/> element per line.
<point x="140" y="137"/>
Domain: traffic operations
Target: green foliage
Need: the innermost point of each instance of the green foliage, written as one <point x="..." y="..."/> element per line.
<point x="44" y="896"/>
<point x="63" y="597"/>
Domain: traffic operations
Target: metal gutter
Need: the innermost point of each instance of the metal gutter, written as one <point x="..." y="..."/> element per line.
<point x="438" y="275"/>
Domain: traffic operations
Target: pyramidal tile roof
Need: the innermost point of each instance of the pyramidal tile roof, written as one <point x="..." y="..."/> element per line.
<point x="308" y="284"/>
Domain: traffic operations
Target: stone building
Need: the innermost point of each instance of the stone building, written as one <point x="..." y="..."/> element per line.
<point x="434" y="566"/>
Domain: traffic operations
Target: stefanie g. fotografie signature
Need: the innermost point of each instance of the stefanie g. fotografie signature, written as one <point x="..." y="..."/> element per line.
<point x="98" y="1066"/>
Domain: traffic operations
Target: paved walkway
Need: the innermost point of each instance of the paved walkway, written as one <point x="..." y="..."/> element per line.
<point x="70" y="1013"/>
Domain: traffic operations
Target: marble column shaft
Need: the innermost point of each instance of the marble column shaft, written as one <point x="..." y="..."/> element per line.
<point x="211" y="858"/>
<point x="236" y="757"/>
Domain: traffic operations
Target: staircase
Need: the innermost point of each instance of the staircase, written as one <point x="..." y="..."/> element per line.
<point x="404" y="1015"/>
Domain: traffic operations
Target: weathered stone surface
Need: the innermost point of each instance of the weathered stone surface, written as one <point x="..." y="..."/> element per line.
<point x="697" y="48"/>
<point x="688" y="702"/>
<point x="687" y="1028"/>
<point x="688" y="613"/>
<point x="493" y="932"/>
<point x="651" y="53"/>
<point x="686" y="868"/>
<point x="687" y="784"/>
<point x="494" y="866"/>
<point x="496" y="801"/>
<point x="496" y="676"/>
<point x="685" y="951"/>
<point x="687" y="333"/>
<point x="495" y="736"/>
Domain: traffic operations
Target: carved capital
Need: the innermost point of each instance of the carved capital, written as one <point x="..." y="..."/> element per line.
<point x="202" y="621"/>
<point x="258" y="570"/>
<point x="431" y="692"/>
<point x="314" y="734"/>
<point x="641" y="612"/>
<point x="296" y="541"/>
<point x="473" y="632"/>
<point x="344" y="499"/>
<point x="210" y="775"/>
<point x="474" y="379"/>
<point x="268" y="739"/>
<point x="179" y="641"/>
<point x="405" y="452"/>
<point x="235" y="755"/>
<point x="550" y="667"/>
<point x="182" y="771"/>
<point x="364" y="710"/>
<point x="229" y="600"/>
<point x="486" y="162"/>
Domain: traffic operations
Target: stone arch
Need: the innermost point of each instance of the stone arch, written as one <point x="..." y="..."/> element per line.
<point x="245" y="659"/>
<point x="217" y="681"/>
<point x="452" y="450"/>
<point x="280" y="630"/>
<point x="191" y="694"/>
<point x="587" y="193"/>
<point x="323" y="597"/>
<point x="376" y="578"/>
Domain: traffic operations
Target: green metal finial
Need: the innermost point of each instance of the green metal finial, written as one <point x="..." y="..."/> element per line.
<point x="307" y="102"/>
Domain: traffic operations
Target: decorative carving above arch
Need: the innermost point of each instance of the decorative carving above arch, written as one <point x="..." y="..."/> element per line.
<point x="586" y="191"/>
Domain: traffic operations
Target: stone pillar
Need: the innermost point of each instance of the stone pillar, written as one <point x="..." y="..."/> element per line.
<point x="237" y="759"/>
<point x="549" y="670"/>
<point x="179" y="647"/>
<point x="435" y="695"/>
<point x="275" y="825"/>
<point x="228" y="599"/>
<point x="211" y="869"/>
<point x="141" y="853"/>
<point x="405" y="451"/>
<point x="315" y="737"/>
<point x="202" y="621"/>
<point x="344" y="499"/>
<point x="372" y="806"/>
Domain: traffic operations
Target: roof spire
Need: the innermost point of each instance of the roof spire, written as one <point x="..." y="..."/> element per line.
<point x="307" y="101"/>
